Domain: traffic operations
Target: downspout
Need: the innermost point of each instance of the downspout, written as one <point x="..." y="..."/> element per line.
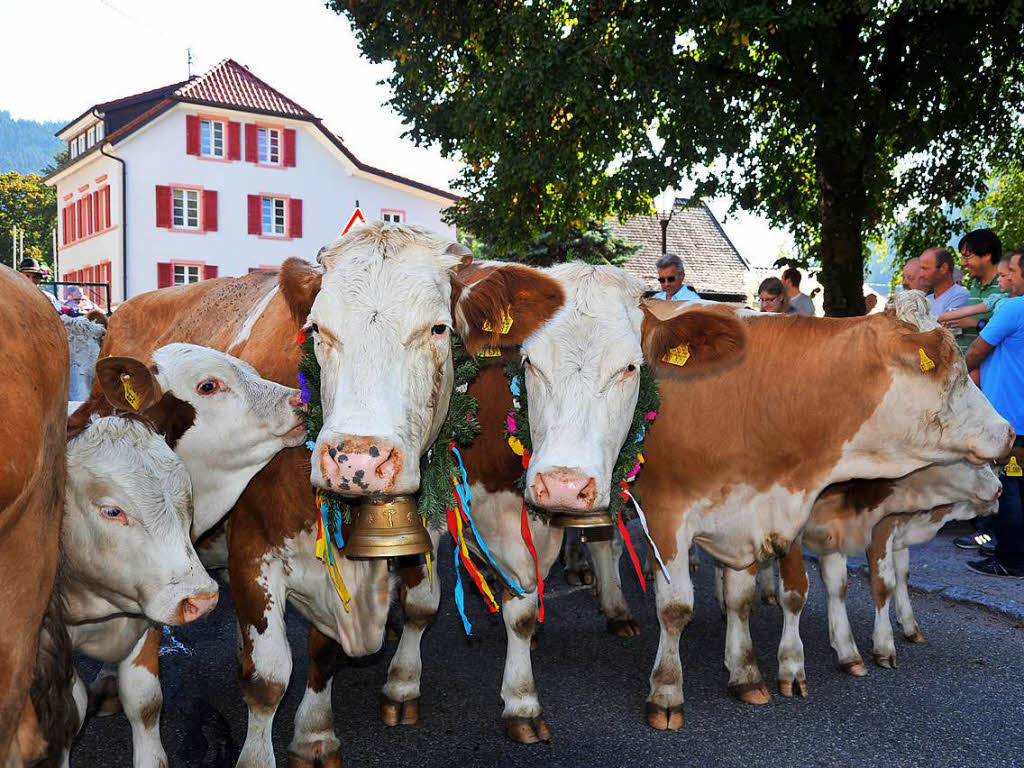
<point x="124" y="216"/>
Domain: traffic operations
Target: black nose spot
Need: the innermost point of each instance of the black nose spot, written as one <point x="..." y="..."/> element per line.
<point x="373" y="451"/>
<point x="333" y="452"/>
<point x="342" y="458"/>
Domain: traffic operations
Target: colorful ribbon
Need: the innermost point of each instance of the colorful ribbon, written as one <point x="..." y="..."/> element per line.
<point x="632" y="552"/>
<point x="524" y="526"/>
<point x="460" y="597"/>
<point x="647" y="533"/>
<point x="325" y="554"/>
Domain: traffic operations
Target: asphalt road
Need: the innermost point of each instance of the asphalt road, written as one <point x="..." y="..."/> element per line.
<point x="956" y="701"/>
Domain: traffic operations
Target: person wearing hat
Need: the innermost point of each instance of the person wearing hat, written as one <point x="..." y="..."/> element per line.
<point x="31" y="269"/>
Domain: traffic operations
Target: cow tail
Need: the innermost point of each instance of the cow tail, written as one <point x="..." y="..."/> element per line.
<point x="53" y="680"/>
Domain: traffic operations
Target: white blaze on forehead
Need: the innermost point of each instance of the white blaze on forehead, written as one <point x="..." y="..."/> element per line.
<point x="252" y="317"/>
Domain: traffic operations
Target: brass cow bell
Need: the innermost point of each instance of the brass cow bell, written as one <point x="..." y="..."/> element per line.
<point x="388" y="528"/>
<point x="599" y="520"/>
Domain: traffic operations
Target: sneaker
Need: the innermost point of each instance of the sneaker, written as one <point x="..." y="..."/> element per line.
<point x="973" y="541"/>
<point x="987" y="550"/>
<point x="992" y="567"/>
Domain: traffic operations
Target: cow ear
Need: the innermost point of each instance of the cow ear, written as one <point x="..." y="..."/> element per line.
<point x="300" y="283"/>
<point x="128" y="384"/>
<point x="504" y="307"/>
<point x="930" y="352"/>
<point x="698" y="340"/>
<point x="97" y="316"/>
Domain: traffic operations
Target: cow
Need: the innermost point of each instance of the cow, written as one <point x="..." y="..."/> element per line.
<point x="381" y="305"/>
<point x="879" y="517"/>
<point x="84" y="339"/>
<point x="878" y="396"/>
<point x="33" y="398"/>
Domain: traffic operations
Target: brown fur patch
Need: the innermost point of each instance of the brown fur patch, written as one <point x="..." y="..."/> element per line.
<point x="324" y="655"/>
<point x="489" y="460"/>
<point x="300" y="283"/>
<point x="525" y="626"/>
<point x="97" y="316"/>
<point x="149" y="714"/>
<point x="148" y="657"/>
<point x="792" y="571"/>
<point x="715" y="336"/>
<point x="675" y="616"/>
<point x="876" y="553"/>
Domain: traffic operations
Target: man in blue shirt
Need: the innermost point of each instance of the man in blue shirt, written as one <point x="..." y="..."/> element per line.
<point x="999" y="353"/>
<point x="670" y="276"/>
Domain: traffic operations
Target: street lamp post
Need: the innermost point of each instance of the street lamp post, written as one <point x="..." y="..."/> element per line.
<point x="665" y="205"/>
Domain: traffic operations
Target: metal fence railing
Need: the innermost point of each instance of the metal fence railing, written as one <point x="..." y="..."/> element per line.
<point x="93" y="295"/>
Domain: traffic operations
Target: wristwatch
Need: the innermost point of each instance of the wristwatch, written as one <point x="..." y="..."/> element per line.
<point x="982" y="323"/>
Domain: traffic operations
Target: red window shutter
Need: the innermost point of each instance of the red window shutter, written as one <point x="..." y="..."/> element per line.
<point x="106" y="206"/>
<point x="209" y="210"/>
<point x="251" y="155"/>
<point x="209" y="271"/>
<point x="73" y="215"/>
<point x="97" y="218"/>
<point x="254" y="214"/>
<point x="64" y="226"/>
<point x="289" y="147"/>
<point x="80" y="212"/>
<point x="294" y="218"/>
<point x="89" y="229"/>
<point x="164" y="274"/>
<point x="234" y="141"/>
<point x="191" y="134"/>
<point x="163" y="206"/>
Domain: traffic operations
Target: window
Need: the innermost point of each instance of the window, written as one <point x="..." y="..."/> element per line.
<point x="81" y="144"/>
<point x="73" y="149"/>
<point x="273" y="216"/>
<point x="185" y="208"/>
<point x="393" y="217"/>
<point x="99" y="131"/>
<point x="90" y="137"/>
<point x="186" y="273"/>
<point x="211" y="138"/>
<point x="268" y="141"/>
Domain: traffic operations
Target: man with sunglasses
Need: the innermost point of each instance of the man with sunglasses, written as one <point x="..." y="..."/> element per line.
<point x="670" y="277"/>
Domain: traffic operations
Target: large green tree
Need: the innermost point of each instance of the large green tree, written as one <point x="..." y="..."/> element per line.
<point x="827" y="117"/>
<point x="26" y="202"/>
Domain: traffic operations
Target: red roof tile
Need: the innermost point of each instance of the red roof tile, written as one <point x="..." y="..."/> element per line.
<point x="231" y="84"/>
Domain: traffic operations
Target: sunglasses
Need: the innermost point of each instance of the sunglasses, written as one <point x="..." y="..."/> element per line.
<point x="664" y="280"/>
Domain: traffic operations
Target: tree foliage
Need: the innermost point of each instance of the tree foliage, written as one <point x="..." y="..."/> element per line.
<point x="1002" y="208"/>
<point x="826" y="116"/>
<point x="593" y="243"/>
<point x="27" y="202"/>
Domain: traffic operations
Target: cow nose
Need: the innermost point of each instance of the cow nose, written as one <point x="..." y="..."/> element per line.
<point x="295" y="401"/>
<point x="356" y="465"/>
<point x="196" y="606"/>
<point x="564" y="488"/>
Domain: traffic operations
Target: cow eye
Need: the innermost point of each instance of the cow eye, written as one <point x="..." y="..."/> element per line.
<point x="631" y="367"/>
<point x="208" y="386"/>
<point x="314" y="328"/>
<point x="115" y="514"/>
<point x="439" y="329"/>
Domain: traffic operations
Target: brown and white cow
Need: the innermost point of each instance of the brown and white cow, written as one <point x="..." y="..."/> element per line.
<point x="33" y="398"/>
<point x="871" y="397"/>
<point x="856" y="516"/>
<point x="381" y="306"/>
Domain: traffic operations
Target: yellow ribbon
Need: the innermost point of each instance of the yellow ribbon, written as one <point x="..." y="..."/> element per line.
<point x="465" y="556"/>
<point x="324" y="549"/>
<point x="430" y="572"/>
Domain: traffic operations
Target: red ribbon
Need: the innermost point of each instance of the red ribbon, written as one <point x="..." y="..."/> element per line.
<point x="524" y="526"/>
<point x="632" y="552"/>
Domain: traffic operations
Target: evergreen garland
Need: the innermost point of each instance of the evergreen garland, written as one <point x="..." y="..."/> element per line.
<point x="629" y="460"/>
<point x="437" y="466"/>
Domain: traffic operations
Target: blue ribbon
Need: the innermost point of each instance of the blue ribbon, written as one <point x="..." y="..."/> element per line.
<point x="462" y="488"/>
<point x="460" y="597"/>
<point x="339" y="540"/>
<point x="513" y="386"/>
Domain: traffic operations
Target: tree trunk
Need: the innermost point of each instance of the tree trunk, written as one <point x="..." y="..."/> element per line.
<point x="842" y="204"/>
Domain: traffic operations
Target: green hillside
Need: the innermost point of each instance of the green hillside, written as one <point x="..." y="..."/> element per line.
<point x="26" y="146"/>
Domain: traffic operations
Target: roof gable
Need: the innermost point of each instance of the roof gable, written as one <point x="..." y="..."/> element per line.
<point x="232" y="85"/>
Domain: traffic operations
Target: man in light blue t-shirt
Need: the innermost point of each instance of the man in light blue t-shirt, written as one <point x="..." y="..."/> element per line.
<point x="670" y="277"/>
<point x="937" y="275"/>
<point x="999" y="353"/>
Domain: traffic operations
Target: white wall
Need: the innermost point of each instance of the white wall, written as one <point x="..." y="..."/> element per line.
<point x="155" y="155"/>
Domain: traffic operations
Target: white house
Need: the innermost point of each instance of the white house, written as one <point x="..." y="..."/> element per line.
<point x="218" y="175"/>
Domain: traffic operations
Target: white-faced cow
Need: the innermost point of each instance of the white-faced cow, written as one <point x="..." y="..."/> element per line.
<point x="381" y="306"/>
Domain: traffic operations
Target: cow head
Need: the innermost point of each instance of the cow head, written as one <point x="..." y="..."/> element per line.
<point x="84" y="339"/>
<point x="223" y="420"/>
<point x="940" y="415"/>
<point x="938" y="484"/>
<point x="388" y="299"/>
<point x="125" y="532"/>
<point x="583" y="378"/>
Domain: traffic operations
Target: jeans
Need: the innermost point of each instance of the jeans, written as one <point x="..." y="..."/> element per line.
<point x="1008" y="525"/>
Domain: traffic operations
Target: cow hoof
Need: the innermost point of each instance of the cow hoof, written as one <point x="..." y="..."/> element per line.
<point x="751" y="693"/>
<point x="623" y="627"/>
<point x="855" y="668"/>
<point x="527" y="730"/>
<point x="664" y="718"/>
<point x="394" y="713"/>
<point x="914" y="637"/>
<point x="885" y="660"/>
<point x="798" y="687"/>
<point x="769" y="598"/>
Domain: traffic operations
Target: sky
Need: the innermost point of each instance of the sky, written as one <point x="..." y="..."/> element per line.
<point x="98" y="50"/>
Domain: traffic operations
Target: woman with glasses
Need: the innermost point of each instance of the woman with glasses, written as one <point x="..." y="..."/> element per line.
<point x="771" y="294"/>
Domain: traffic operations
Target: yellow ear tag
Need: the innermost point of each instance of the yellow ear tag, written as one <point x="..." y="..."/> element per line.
<point x="506" y="323"/>
<point x="129" y="392"/>
<point x="515" y="445"/>
<point x="489" y="352"/>
<point x="677" y="355"/>
<point x="926" y="362"/>
<point x="1013" y="469"/>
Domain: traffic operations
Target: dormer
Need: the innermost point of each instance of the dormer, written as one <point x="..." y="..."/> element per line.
<point x="83" y="134"/>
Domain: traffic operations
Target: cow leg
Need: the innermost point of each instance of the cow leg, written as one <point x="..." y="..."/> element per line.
<point x="901" y="598"/>
<point x="606" y="555"/>
<point x="883" y="583"/>
<point x="577" y="568"/>
<point x="664" y="708"/>
<point x="420" y="595"/>
<point x="315" y="742"/>
<point x="792" y="678"/>
<point x="766" y="580"/>
<point x="720" y="588"/>
<point x="103" y="692"/>
<point x="265" y="658"/>
<point x="745" y="681"/>
<point x="138" y="682"/>
<point x="840" y="635"/>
